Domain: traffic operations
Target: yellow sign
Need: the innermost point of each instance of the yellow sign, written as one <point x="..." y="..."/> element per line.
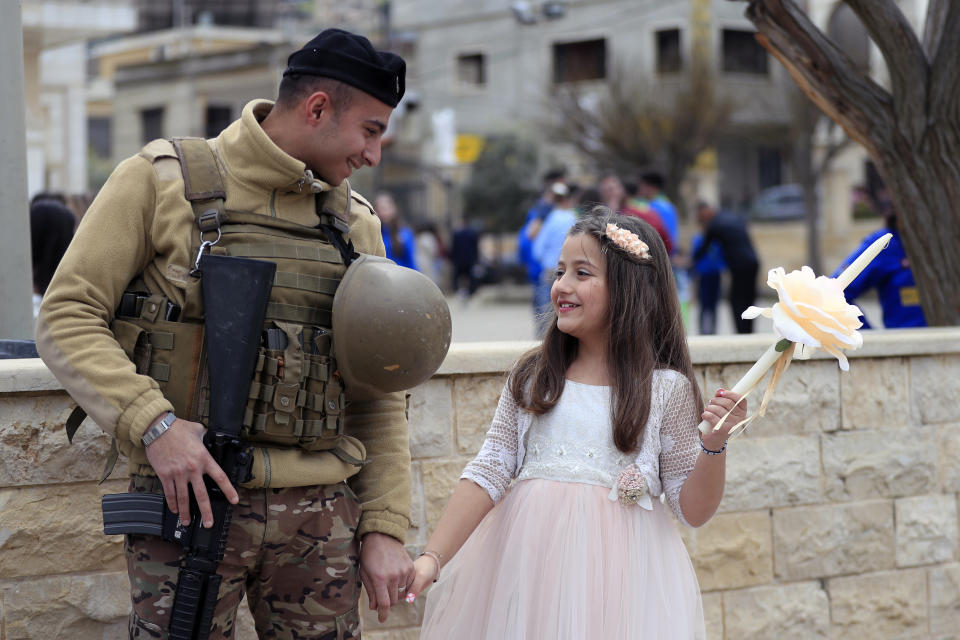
<point x="910" y="296"/>
<point x="468" y="148"/>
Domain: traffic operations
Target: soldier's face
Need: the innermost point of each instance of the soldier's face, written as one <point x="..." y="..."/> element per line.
<point x="348" y="138"/>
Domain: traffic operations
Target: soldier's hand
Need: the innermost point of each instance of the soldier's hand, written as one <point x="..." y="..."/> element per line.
<point x="386" y="571"/>
<point x="181" y="460"/>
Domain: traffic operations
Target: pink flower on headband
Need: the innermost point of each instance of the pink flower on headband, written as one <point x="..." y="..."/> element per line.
<point x="628" y="241"/>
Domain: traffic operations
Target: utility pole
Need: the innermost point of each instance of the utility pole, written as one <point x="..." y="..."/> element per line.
<point x="16" y="288"/>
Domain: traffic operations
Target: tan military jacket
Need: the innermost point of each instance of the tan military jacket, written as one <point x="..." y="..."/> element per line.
<point x="123" y="235"/>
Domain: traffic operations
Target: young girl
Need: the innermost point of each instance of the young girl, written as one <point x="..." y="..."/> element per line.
<point x="594" y="424"/>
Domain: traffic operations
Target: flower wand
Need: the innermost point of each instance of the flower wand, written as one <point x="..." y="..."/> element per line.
<point x="812" y="312"/>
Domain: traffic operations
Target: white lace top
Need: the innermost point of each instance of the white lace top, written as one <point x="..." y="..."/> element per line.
<point x="574" y="441"/>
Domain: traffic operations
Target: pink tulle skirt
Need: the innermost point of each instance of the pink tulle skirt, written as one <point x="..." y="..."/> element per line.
<point x="560" y="561"/>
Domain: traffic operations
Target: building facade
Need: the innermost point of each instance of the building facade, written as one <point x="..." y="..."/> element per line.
<point x="499" y="64"/>
<point x="54" y="55"/>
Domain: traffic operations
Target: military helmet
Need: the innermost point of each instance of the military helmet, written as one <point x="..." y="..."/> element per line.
<point x="391" y="327"/>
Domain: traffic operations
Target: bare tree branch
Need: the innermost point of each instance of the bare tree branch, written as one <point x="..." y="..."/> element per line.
<point x="627" y="126"/>
<point x="822" y="71"/>
<point x="906" y="62"/>
<point x="934" y="27"/>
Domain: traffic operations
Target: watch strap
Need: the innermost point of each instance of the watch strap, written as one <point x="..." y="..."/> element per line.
<point x="158" y="429"/>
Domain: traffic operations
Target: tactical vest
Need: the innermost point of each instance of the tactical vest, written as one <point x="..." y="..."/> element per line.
<point x="296" y="398"/>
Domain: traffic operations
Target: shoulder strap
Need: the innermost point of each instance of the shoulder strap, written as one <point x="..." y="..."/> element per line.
<point x="202" y="182"/>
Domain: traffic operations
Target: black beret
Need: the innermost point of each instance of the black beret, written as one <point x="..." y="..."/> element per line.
<point x="351" y="59"/>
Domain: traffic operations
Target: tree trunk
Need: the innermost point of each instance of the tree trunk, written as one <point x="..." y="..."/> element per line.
<point x="912" y="132"/>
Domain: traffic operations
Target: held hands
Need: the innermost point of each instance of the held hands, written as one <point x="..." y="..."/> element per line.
<point x="719" y="406"/>
<point x="386" y="571"/>
<point x="181" y="460"/>
<point x="427" y="569"/>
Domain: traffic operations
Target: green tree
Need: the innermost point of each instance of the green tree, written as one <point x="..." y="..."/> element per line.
<point x="499" y="187"/>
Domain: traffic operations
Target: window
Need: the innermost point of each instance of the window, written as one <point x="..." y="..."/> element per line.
<point x="151" y="124"/>
<point x="98" y="136"/>
<point x="471" y="69"/>
<point x="669" y="59"/>
<point x="578" y="61"/>
<point x="742" y="53"/>
<point x="218" y="117"/>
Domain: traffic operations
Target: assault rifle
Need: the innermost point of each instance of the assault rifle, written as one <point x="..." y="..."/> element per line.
<point x="236" y="292"/>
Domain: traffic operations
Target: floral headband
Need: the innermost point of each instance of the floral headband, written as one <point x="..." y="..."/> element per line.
<point x="628" y="241"/>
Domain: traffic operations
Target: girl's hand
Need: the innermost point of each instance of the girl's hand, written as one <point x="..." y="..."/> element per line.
<point x="426" y="572"/>
<point x="718" y="407"/>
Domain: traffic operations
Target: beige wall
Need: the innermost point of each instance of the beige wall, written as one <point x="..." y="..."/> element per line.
<point x="840" y="518"/>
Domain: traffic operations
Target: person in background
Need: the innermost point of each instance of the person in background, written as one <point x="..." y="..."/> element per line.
<point x="729" y="232"/>
<point x="650" y="188"/>
<point x="531" y="226"/>
<point x="889" y="273"/>
<point x="430" y="251"/>
<point x="465" y="257"/>
<point x="52" y="225"/>
<point x="708" y="272"/>
<point x="398" y="238"/>
<point x="547" y="244"/>
<point x="614" y="196"/>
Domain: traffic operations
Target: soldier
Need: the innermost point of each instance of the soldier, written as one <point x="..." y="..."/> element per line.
<point x="121" y="328"/>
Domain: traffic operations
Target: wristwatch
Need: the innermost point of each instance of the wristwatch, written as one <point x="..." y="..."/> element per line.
<point x="158" y="429"/>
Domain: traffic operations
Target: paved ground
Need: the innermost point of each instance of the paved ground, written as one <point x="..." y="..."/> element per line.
<point x="505" y="313"/>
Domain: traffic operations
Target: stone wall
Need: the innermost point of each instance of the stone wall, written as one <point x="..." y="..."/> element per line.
<point x="840" y="517"/>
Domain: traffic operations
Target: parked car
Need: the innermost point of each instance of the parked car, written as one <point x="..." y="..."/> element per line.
<point x="782" y="202"/>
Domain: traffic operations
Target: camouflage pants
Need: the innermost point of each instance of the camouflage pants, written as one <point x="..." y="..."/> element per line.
<point x="291" y="551"/>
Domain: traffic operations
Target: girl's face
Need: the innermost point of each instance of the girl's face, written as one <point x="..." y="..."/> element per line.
<point x="579" y="292"/>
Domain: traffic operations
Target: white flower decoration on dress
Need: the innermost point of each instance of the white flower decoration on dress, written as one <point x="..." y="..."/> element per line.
<point x="631" y="489"/>
<point x="628" y="241"/>
<point x="812" y="311"/>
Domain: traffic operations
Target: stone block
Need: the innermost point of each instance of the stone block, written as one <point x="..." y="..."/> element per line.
<point x="948" y="456"/>
<point x="926" y="529"/>
<point x="807" y="399"/>
<point x="439" y="480"/>
<point x="713" y="615"/>
<point x="797" y="610"/>
<point x="56" y="529"/>
<point x="95" y="605"/>
<point x="733" y="550"/>
<point x="945" y="601"/>
<point x="475" y="400"/>
<point x="874" y="394"/>
<point x="934" y="388"/>
<point x="770" y="472"/>
<point x="869" y="464"/>
<point x="431" y="419"/>
<point x="890" y="604"/>
<point x="814" y="542"/>
<point x="34" y="447"/>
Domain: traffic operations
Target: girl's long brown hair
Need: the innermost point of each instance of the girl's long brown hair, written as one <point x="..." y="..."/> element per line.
<point x="645" y="333"/>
